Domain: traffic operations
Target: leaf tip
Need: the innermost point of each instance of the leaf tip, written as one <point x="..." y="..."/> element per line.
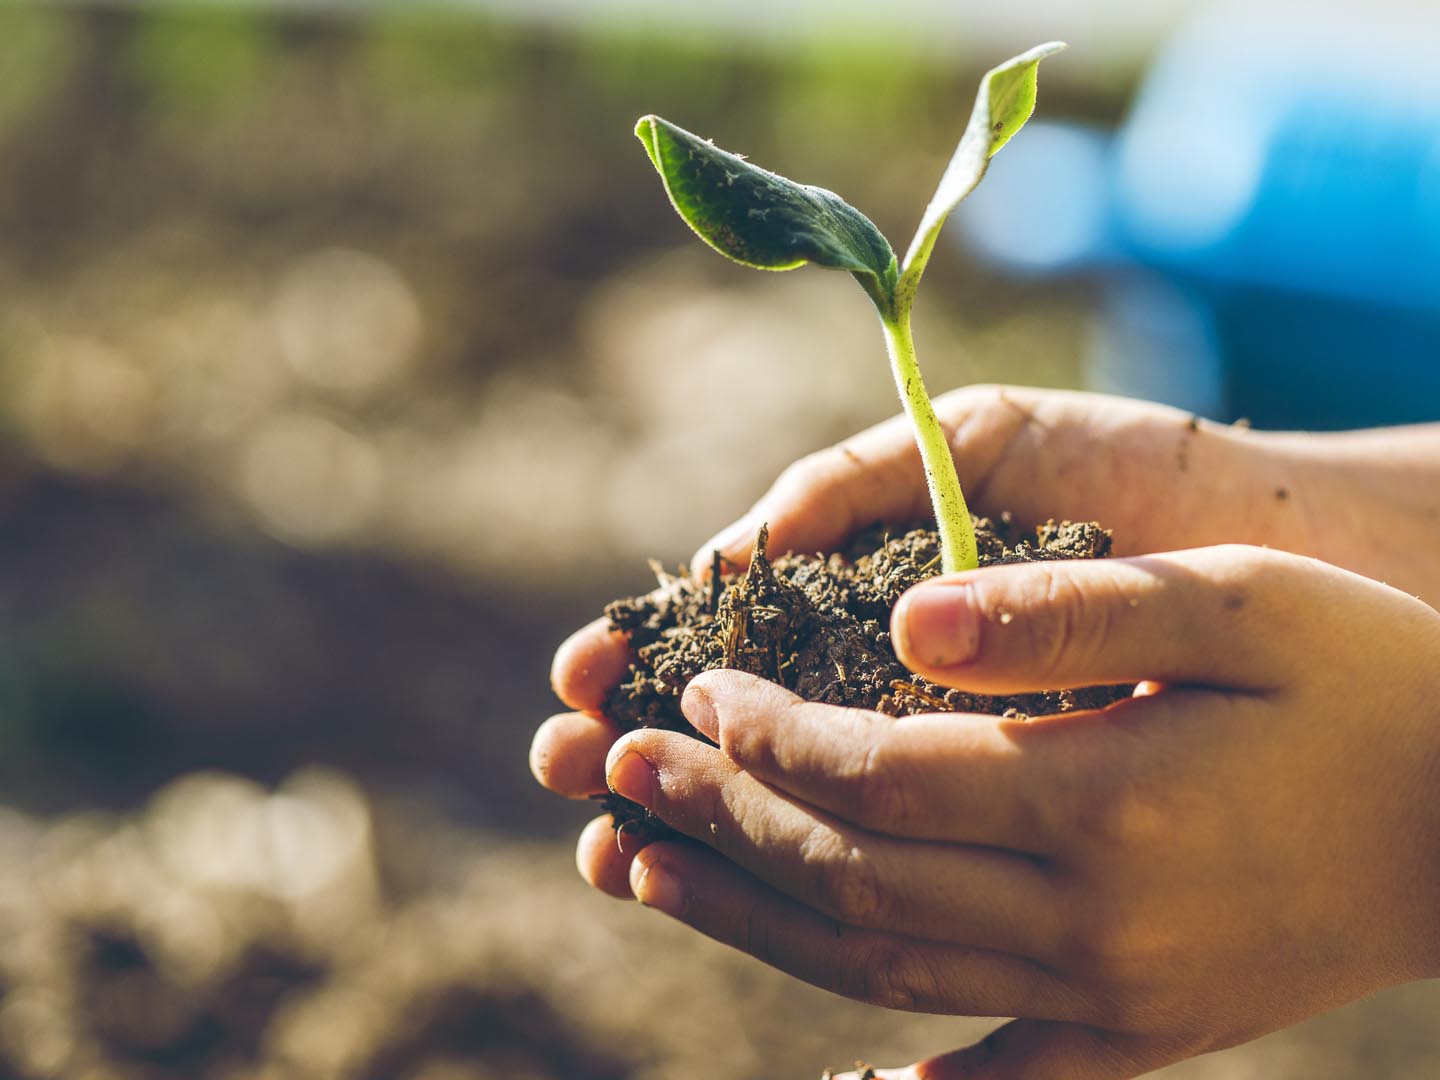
<point x="1008" y="92"/>
<point x="1030" y="57"/>
<point x="645" y="131"/>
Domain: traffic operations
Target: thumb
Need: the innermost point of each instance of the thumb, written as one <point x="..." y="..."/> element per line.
<point x="1222" y="616"/>
<point x="824" y="498"/>
<point x="1043" y="1050"/>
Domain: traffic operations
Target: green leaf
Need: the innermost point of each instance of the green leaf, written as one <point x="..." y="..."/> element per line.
<point x="755" y="217"/>
<point x="1005" y="101"/>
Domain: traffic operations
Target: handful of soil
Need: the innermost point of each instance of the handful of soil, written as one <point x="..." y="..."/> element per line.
<point x="820" y="627"/>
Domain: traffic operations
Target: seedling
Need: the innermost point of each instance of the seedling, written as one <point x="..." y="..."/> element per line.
<point x="767" y="222"/>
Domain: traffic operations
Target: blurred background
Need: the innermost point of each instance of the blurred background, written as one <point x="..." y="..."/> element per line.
<point x="351" y="356"/>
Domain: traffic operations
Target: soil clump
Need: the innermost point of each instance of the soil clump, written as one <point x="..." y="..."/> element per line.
<point x="820" y="627"/>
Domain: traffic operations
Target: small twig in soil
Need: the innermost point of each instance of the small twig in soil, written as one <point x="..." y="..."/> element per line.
<point x="736" y="637"/>
<point x="715" y="565"/>
<point x="740" y="614"/>
<point x="909" y="689"/>
<point x="781" y="666"/>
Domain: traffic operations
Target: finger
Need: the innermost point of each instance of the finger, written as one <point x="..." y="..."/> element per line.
<point x="1070" y="455"/>
<point x="951" y="777"/>
<point x="567" y="754"/>
<point x="589" y="664"/>
<point x="600" y="860"/>
<point x="1211" y="616"/>
<point x="723" y="902"/>
<point x="1044" y="1050"/>
<point x="822" y="499"/>
<point x="963" y="894"/>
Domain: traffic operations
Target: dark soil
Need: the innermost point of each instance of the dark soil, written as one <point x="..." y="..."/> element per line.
<point x="820" y="627"/>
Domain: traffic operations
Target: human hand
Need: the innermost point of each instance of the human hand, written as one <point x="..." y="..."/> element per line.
<point x="1253" y="839"/>
<point x="1158" y="477"/>
<point x="1159" y="480"/>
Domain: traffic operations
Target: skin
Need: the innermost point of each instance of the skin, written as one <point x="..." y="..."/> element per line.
<point x="1236" y="848"/>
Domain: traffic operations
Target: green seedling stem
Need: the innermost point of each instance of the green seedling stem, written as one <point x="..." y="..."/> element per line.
<point x="762" y="220"/>
<point x="952" y="517"/>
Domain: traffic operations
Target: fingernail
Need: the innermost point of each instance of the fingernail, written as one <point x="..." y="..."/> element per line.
<point x="935" y="626"/>
<point x="656" y="887"/>
<point x="699" y="709"/>
<point x="634" y="777"/>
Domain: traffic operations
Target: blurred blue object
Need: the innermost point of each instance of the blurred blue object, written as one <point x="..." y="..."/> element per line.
<point x="1266" y="224"/>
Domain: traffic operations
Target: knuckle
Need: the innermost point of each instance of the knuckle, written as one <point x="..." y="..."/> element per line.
<point x="1126" y="818"/>
<point x="1052" y="639"/>
<point x="1256" y="589"/>
<point x="847" y="884"/>
<point x="1061" y="632"/>
<point x="892" y="976"/>
<point x="716" y="815"/>
<point x="1120" y="816"/>
<point x="748" y="744"/>
<point x="881" y="797"/>
<point x="1246" y="571"/>
<point x="1123" y="949"/>
<point x="809" y="475"/>
<point x="1112" y="942"/>
<point x="1074" y="621"/>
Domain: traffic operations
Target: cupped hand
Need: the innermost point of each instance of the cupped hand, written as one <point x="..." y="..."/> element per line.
<point x="1152" y="474"/>
<point x="1159" y="478"/>
<point x="1252" y="839"/>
